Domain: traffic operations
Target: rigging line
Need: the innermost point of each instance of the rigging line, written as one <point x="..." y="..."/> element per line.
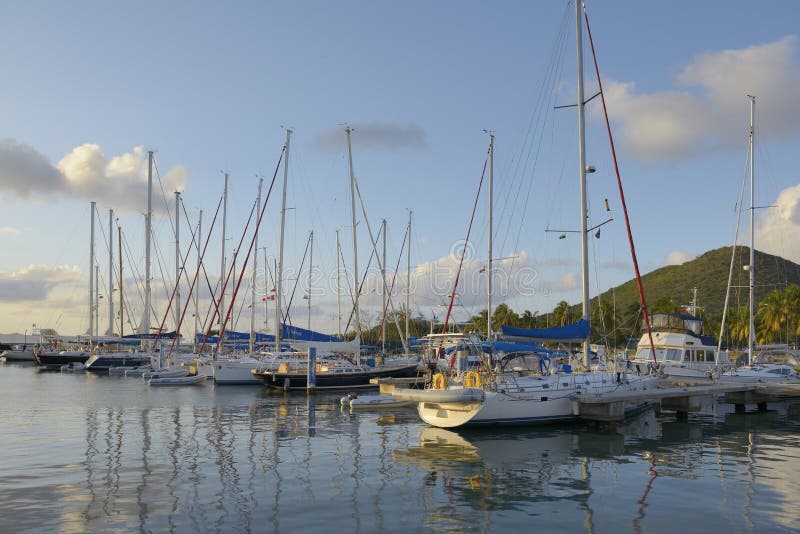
<point x="464" y="250"/>
<point x="194" y="280"/>
<point x="360" y="285"/>
<point x="733" y="249"/>
<point x="249" y="249"/>
<point x="231" y="269"/>
<point x="171" y="298"/>
<point x="642" y="300"/>
<point x="549" y="71"/>
<point x="297" y="278"/>
<point x="542" y="110"/>
<point x="126" y="301"/>
<point x="193" y="244"/>
<point x="378" y="260"/>
<point x="397" y="268"/>
<point x="137" y="275"/>
<point x="163" y="194"/>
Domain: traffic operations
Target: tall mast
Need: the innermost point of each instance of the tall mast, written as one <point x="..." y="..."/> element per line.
<point x="97" y="301"/>
<point x="408" y="278"/>
<point x="582" y="162"/>
<point x="266" y="291"/>
<point x="121" y="285"/>
<point x="110" y="273"/>
<point x="145" y="325"/>
<point x="91" y="269"/>
<point x="751" y="335"/>
<point x="177" y="261"/>
<point x="310" y="268"/>
<point x="222" y="259"/>
<point x="355" y="245"/>
<point x="489" y="263"/>
<point x="255" y="269"/>
<point x="384" y="289"/>
<point x="279" y="268"/>
<point x="197" y="288"/>
<point x="338" y="292"/>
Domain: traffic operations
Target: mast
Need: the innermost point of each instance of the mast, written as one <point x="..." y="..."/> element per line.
<point x="582" y="163"/>
<point x="355" y="245"/>
<point x="338" y="292"/>
<point x="255" y="269"/>
<point x="489" y="265"/>
<point x="266" y="292"/>
<point x="222" y="266"/>
<point x="408" y="277"/>
<point x="97" y="301"/>
<point x="384" y="289"/>
<point x="110" y="273"/>
<point x="177" y="261"/>
<point x="91" y="269"/>
<point x="310" y="268"/>
<point x="145" y="325"/>
<point x="197" y="289"/>
<point x="279" y="268"/>
<point x="751" y="334"/>
<point x="121" y="285"/>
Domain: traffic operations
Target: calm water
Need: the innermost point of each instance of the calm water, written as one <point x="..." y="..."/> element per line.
<point x="85" y="452"/>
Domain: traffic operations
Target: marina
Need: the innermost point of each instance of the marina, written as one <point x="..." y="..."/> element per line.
<point x="310" y="306"/>
<point x="117" y="456"/>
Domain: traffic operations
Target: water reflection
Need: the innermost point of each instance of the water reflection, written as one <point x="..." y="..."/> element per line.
<point x="207" y="459"/>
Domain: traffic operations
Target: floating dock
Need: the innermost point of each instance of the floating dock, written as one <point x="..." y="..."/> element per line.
<point x="682" y="400"/>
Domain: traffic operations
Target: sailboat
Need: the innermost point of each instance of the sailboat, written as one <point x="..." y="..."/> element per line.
<point x="773" y="363"/>
<point x="490" y="398"/>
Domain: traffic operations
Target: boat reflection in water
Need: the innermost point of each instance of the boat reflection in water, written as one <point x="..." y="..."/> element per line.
<point x="240" y="459"/>
<point x="573" y="480"/>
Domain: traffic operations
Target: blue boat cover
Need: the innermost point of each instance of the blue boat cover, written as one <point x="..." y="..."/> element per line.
<point x="294" y="333"/>
<point x="568" y="333"/>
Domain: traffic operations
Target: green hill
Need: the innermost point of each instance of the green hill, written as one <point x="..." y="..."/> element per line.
<point x="709" y="274"/>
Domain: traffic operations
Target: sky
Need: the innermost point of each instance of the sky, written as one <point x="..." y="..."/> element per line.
<point x="90" y="87"/>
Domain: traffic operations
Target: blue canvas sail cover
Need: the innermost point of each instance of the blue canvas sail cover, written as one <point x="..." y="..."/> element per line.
<point x="293" y="333"/>
<point x="568" y="333"/>
<point x="164" y="335"/>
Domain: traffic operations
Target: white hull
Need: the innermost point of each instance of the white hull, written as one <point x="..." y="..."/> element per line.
<point x="236" y="372"/>
<point x="177" y="381"/>
<point x="526" y="401"/>
<point x="18" y="355"/>
<point x="762" y="374"/>
<point x="374" y="401"/>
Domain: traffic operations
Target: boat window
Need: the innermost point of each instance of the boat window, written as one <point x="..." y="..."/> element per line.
<point x="674" y="354"/>
<point x="687" y="355"/>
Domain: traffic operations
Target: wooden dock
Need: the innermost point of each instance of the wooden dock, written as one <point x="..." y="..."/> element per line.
<point x="682" y="400"/>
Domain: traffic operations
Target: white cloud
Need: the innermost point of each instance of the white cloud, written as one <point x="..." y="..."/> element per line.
<point x="710" y="109"/>
<point x="677" y="257"/>
<point x="10" y="230"/>
<point x="85" y="173"/>
<point x="35" y="282"/>
<point x="778" y="227"/>
<point x="568" y="282"/>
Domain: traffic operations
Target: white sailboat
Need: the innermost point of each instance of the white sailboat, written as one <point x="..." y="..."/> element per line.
<point x="773" y="363"/>
<point x="488" y="398"/>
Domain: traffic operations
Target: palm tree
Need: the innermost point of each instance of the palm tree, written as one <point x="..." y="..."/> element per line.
<point x="739" y="326"/>
<point x="777" y="314"/>
<point x="562" y="314"/>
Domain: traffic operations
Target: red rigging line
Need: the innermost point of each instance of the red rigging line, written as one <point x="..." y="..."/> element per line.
<point x="249" y="249"/>
<point x="464" y="250"/>
<point x="621" y="192"/>
<point x="227" y="278"/>
<point x="391" y="288"/>
<point x="172" y="296"/>
<point x="194" y="278"/>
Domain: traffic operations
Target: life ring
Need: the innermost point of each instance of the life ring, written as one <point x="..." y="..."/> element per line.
<point x="473" y="380"/>
<point x="439" y="381"/>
